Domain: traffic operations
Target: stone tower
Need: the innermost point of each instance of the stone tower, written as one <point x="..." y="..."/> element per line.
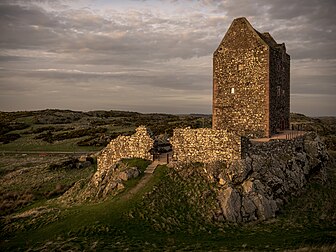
<point x="250" y="82"/>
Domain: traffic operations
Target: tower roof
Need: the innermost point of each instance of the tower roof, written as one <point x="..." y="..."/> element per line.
<point x="265" y="36"/>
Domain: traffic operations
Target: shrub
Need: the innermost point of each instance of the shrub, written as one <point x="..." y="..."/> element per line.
<point x="7" y="138"/>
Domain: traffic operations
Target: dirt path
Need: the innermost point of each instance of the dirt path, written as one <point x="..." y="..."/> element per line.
<point x="148" y="175"/>
<point x="136" y="189"/>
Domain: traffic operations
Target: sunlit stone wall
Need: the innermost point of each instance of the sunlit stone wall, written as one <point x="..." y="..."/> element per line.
<point x="250" y="82"/>
<point x="205" y="145"/>
<point x="136" y="146"/>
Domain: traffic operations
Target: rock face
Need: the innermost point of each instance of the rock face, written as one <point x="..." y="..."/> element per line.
<point x="230" y="202"/>
<point x="110" y="184"/>
<point x="256" y="187"/>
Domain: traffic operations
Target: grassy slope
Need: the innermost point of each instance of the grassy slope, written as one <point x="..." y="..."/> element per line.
<point x="78" y="221"/>
<point x="108" y="225"/>
<point x="27" y="179"/>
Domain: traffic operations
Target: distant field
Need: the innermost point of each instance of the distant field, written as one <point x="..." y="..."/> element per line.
<point x="63" y="130"/>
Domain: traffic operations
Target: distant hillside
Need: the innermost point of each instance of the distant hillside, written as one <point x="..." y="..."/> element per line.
<point x="324" y="126"/>
<point x="71" y="130"/>
<point x="66" y="129"/>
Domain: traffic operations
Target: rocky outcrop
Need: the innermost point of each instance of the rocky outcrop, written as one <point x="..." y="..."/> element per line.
<point x="195" y="196"/>
<point x="230" y="202"/>
<point x="256" y="187"/>
<point x="111" y="172"/>
<point x="112" y="183"/>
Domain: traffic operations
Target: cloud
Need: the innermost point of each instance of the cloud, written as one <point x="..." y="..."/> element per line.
<point x="307" y="27"/>
<point x="130" y="48"/>
<point x="136" y="35"/>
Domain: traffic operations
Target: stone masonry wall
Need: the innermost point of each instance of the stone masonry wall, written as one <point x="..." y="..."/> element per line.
<point x="138" y="145"/>
<point x="205" y="145"/>
<point x="279" y="94"/>
<point x="250" y="82"/>
<point x="240" y="63"/>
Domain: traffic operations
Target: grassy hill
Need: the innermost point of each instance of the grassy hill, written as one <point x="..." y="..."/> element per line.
<point x="65" y="130"/>
<point x="170" y="212"/>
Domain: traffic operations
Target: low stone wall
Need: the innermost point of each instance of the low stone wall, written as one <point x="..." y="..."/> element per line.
<point x="205" y="145"/>
<point x="136" y="146"/>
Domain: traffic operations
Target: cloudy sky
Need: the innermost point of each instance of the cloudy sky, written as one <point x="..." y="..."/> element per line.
<point x="152" y="55"/>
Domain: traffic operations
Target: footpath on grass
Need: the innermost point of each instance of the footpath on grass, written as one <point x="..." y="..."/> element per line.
<point x="148" y="174"/>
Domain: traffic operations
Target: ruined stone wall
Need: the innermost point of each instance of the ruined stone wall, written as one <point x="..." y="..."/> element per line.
<point x="205" y="145"/>
<point x="279" y="89"/>
<point x="138" y="145"/>
<point x="241" y="63"/>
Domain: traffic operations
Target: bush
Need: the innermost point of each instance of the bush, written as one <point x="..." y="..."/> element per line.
<point x="7" y="138"/>
<point x="42" y="129"/>
<point x="8" y="127"/>
<point x="50" y="137"/>
<point x="10" y="201"/>
<point x="47" y="137"/>
<point x="78" y="133"/>
<point x="59" y="190"/>
<point x="72" y="163"/>
<point x="68" y="164"/>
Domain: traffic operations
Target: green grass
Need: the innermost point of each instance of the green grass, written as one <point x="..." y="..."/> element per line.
<point x="141" y="164"/>
<point x="27" y="143"/>
<point x="75" y="219"/>
<point x="113" y="228"/>
<point x="28" y="120"/>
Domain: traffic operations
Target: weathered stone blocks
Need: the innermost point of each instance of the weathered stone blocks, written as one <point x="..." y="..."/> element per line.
<point x="135" y="146"/>
<point x="205" y="145"/>
<point x="250" y="82"/>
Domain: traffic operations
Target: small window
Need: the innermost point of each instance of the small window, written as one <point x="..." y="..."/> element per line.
<point x="232" y="91"/>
